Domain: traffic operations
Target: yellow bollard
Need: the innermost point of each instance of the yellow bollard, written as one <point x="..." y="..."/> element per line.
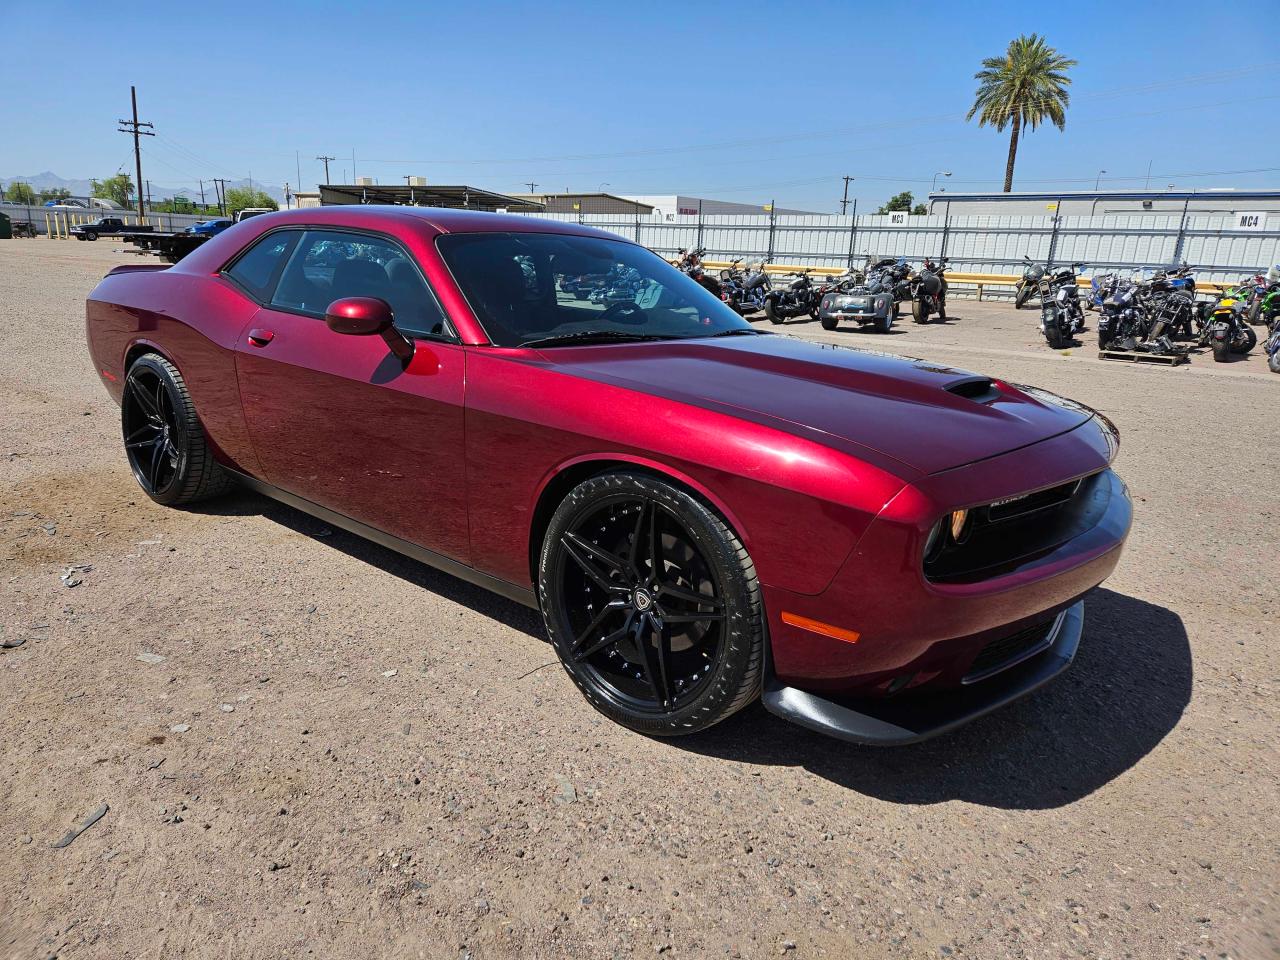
<point x="48" y="230"/>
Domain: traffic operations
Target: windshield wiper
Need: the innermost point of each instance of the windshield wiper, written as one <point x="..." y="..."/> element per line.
<point x="593" y="336"/>
<point x="739" y="332"/>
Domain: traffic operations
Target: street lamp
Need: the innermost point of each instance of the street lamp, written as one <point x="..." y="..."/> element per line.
<point x="602" y="186"/>
<point x="1097" y="184"/>
<point x="942" y="173"/>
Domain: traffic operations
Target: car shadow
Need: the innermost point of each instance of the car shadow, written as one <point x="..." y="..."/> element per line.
<point x="1126" y="691"/>
<point x="507" y="612"/>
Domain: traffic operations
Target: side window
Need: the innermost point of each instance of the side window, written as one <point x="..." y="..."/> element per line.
<point x="328" y="265"/>
<point x="257" y="269"/>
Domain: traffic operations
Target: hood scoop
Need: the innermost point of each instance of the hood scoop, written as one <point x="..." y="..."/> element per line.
<point x="977" y="389"/>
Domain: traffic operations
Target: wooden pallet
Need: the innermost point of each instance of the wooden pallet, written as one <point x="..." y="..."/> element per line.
<point x="1167" y="359"/>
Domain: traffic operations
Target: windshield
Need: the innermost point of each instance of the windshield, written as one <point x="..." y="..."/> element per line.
<point x="528" y="288"/>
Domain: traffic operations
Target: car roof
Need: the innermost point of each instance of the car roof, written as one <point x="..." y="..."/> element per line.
<point x="437" y="219"/>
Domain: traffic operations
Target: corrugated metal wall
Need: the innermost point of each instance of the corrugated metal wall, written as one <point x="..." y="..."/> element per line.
<point x="974" y="243"/>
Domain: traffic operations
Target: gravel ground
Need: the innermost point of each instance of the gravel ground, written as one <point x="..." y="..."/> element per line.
<point x="346" y="754"/>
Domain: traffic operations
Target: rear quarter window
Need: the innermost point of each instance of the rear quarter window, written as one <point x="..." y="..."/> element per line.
<point x="258" y="268"/>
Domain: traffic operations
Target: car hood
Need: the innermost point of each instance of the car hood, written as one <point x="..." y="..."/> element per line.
<point x="927" y="416"/>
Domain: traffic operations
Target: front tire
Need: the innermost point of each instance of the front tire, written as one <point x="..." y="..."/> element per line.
<point x="1023" y="295"/>
<point x="652" y="605"/>
<point x="165" y="444"/>
<point x="90" y="235"/>
<point x="828" y="323"/>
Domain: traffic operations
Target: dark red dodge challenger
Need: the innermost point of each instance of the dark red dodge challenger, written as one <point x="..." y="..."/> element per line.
<point x="882" y="548"/>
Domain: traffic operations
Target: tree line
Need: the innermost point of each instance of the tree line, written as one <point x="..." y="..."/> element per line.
<point x="120" y="189"/>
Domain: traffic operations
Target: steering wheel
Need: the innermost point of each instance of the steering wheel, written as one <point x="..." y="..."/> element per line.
<point x="626" y="311"/>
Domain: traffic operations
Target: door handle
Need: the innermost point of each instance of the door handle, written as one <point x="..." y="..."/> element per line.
<point x="260" y="337"/>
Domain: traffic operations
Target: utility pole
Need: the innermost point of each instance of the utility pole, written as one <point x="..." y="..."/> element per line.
<point x="148" y="194"/>
<point x="533" y="187"/>
<point x="844" y="203"/>
<point x="325" y="161"/>
<point x="135" y="127"/>
<point x="201" y="194"/>
<point x="220" y="187"/>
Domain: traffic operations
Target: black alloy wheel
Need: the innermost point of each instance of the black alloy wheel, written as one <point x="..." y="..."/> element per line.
<point x="652" y="604"/>
<point x="163" y="439"/>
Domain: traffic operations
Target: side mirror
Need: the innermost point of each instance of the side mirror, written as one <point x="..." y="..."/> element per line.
<point x="365" y="316"/>
<point x="358" y="316"/>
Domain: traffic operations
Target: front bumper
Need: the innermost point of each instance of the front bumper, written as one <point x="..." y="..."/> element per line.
<point x="910" y="719"/>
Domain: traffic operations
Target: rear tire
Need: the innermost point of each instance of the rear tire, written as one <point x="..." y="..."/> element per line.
<point x="652" y="604"/>
<point x="165" y="444"/>
<point x="1250" y="341"/>
<point x="771" y="311"/>
<point x="919" y="312"/>
<point x="1221" y="351"/>
<point x="828" y="323"/>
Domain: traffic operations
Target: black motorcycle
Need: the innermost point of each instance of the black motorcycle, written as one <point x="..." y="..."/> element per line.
<point x="1029" y="285"/>
<point x="797" y="299"/>
<point x="929" y="291"/>
<point x="1122" y="320"/>
<point x="1061" y="316"/>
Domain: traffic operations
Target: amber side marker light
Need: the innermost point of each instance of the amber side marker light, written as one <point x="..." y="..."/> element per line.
<point x="817" y="626"/>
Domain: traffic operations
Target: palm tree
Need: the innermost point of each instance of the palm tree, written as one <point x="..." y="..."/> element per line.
<point x="1023" y="88"/>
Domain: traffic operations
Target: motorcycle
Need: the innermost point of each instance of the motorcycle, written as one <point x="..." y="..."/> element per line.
<point x="869" y="297"/>
<point x="1101" y="286"/>
<point x="1061" y="316"/>
<point x="929" y="291"/>
<point x="798" y="298"/>
<point x="1029" y="285"/>
<point x="1122" y="321"/>
<point x="621" y="285"/>
<point x="1173" y="302"/>
<point x="690" y="262"/>
<point x="755" y="285"/>
<point x="1272" y="346"/>
<point x="1224" y="327"/>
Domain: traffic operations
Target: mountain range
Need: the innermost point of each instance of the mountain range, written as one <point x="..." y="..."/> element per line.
<point x="80" y="188"/>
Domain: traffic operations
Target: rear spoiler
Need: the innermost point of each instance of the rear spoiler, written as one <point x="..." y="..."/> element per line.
<point x="138" y="268"/>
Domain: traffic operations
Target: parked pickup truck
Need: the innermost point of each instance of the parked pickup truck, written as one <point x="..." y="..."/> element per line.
<point x="106" y="227"/>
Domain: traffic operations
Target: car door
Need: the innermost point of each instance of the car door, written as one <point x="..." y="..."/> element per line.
<point x="341" y="421"/>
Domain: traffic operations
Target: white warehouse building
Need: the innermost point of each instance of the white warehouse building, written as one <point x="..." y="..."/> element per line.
<point x="667" y="206"/>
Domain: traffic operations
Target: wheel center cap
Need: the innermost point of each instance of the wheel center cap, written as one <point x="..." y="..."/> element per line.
<point x="642" y="600"/>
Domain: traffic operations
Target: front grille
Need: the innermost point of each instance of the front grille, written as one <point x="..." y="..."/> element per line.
<point x="1029" y="503"/>
<point x="1009" y="651"/>
<point x="1002" y="535"/>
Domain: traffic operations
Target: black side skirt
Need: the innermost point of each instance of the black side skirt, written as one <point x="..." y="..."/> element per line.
<point x="505" y="588"/>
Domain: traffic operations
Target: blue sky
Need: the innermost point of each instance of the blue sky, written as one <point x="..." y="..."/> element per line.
<point x="734" y="101"/>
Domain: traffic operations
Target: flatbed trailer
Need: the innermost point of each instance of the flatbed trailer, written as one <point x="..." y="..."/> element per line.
<point x="170" y="247"/>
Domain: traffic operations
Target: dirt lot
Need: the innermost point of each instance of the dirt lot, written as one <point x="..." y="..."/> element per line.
<point x="346" y="754"/>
